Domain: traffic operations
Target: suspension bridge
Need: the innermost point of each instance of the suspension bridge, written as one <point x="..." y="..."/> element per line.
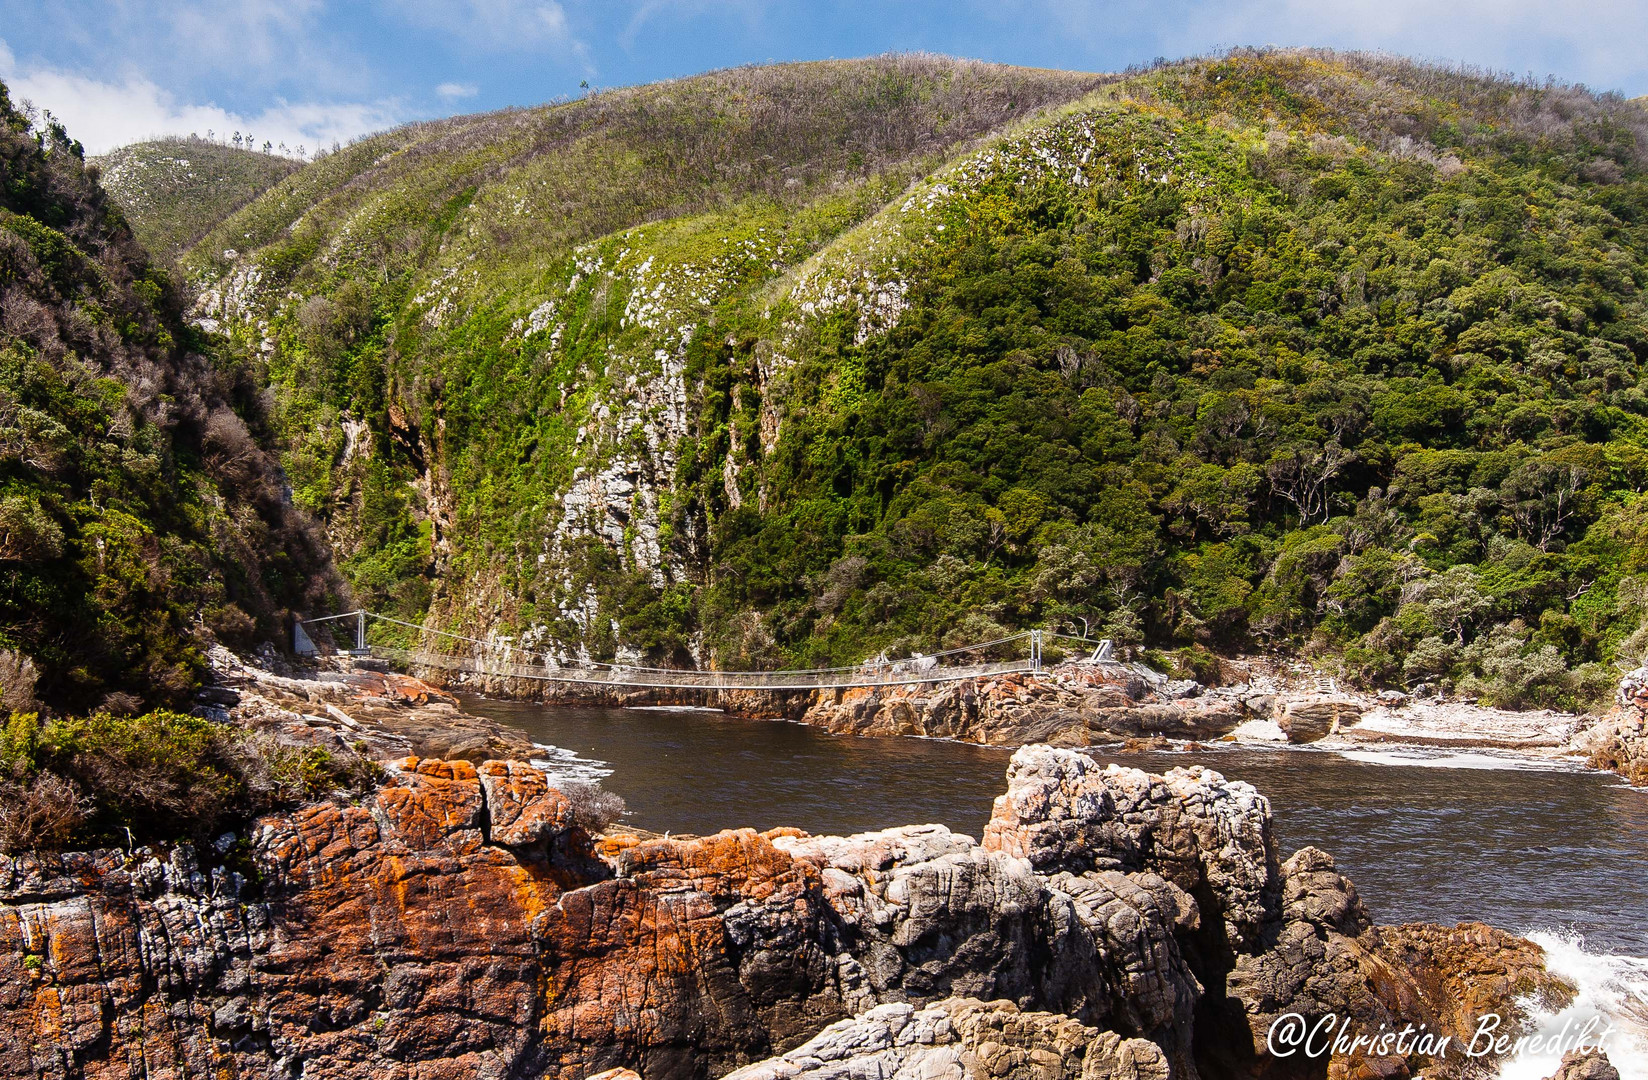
<point x="499" y="658"/>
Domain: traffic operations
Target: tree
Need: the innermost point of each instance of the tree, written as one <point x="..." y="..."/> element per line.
<point x="1302" y="475"/>
<point x="1543" y="497"/>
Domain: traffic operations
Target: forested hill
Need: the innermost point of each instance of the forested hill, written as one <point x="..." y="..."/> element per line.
<point x="173" y="191"/>
<point x="1325" y="353"/>
<point x="140" y="515"/>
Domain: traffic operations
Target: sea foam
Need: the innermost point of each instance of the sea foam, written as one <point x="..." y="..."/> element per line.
<point x="1611" y="989"/>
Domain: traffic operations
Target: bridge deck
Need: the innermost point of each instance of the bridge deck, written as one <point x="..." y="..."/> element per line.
<point x="502" y="659"/>
<point x="620" y="677"/>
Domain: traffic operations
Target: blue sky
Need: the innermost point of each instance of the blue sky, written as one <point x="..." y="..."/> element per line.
<point x="315" y="71"/>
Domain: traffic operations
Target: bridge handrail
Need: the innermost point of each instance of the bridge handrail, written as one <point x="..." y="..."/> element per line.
<point x="917" y="669"/>
<point x="682" y="679"/>
<point x="613" y="666"/>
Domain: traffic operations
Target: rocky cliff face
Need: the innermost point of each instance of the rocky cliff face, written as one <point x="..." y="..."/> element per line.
<point x="1620" y="741"/>
<point x="461" y="924"/>
<point x="1071" y="705"/>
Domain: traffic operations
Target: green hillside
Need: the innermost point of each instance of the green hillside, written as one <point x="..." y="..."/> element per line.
<point x="140" y="515"/>
<point x="1327" y="353"/>
<point x="174" y="191"/>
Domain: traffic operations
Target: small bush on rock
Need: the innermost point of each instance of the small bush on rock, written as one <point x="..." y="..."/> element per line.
<point x="160" y="776"/>
<point x="593" y="807"/>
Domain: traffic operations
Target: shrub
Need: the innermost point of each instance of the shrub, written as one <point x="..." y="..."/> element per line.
<point x="593" y="807"/>
<point x="17" y="679"/>
<point x="160" y="776"/>
<point x="42" y="813"/>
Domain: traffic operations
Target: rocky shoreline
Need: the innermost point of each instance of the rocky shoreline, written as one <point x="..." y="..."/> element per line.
<point x="460" y="922"/>
<point x="1079" y="704"/>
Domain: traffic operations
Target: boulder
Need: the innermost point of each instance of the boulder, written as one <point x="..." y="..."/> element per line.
<point x="1210" y="837"/>
<point x="522" y="809"/>
<point x="1585" y="1065"/>
<point x="1619" y="741"/>
<point x="962" y="1037"/>
<point x="1307" y="719"/>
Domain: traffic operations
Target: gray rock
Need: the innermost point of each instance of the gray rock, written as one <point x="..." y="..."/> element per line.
<point x="1589" y="1065"/>
<point x="1206" y="835"/>
<point x="958" y="1038"/>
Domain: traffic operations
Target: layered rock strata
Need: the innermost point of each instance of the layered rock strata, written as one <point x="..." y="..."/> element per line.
<point x="459" y="923"/>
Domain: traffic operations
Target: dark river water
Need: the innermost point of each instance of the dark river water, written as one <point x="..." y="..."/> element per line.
<point x="1443" y="839"/>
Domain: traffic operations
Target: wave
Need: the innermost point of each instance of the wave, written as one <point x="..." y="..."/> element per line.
<point x="557" y="763"/>
<point x="1460" y="759"/>
<point x="674" y="708"/>
<point x="1612" y="990"/>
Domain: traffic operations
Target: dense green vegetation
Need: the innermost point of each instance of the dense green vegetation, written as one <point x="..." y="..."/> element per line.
<point x="108" y="780"/>
<point x="174" y="191"/>
<point x="1285" y="350"/>
<point x="388" y="281"/>
<point x="1247" y="388"/>
<point x="140" y="515"/>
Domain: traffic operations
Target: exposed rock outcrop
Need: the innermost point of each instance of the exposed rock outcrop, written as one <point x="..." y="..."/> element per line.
<point x="459" y="923"/>
<point x="961" y="1037"/>
<point x="1585" y="1065"/>
<point x="348" y="703"/>
<point x="1323" y="957"/>
<point x="1619" y="741"/>
<point x="1068" y="705"/>
<point x="1208" y="838"/>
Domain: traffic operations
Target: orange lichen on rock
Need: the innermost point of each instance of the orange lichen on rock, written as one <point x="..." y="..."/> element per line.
<point x="460" y="924"/>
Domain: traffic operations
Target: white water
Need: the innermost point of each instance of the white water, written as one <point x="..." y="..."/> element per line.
<point x="559" y="764"/>
<point x="1460" y="759"/>
<point x="1611" y="989"/>
<point x="674" y="708"/>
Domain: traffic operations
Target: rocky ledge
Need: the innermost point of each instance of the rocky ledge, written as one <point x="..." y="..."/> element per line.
<point x="459" y="923"/>
<point x="354" y="703"/>
<point x="1620" y="740"/>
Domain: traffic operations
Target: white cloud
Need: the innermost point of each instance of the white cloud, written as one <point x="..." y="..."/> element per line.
<point x="495" y="24"/>
<point x="238" y="35"/>
<point x="259" y="45"/>
<point x="106" y="114"/>
<point x="452" y="91"/>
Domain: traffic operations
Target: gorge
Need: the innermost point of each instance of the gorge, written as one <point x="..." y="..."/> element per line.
<point x="1313" y="381"/>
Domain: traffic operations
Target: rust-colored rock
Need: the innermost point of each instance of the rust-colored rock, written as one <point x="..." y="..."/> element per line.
<point x="457" y="924"/>
<point x="522" y="808"/>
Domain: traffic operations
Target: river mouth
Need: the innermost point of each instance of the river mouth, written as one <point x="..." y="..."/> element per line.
<point x="1426" y="837"/>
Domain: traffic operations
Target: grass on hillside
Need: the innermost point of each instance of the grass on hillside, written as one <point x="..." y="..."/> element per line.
<point x="174" y="191"/>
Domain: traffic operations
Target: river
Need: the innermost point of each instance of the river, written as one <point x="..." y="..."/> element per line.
<point x="1440" y="838"/>
<point x="1554" y="852"/>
